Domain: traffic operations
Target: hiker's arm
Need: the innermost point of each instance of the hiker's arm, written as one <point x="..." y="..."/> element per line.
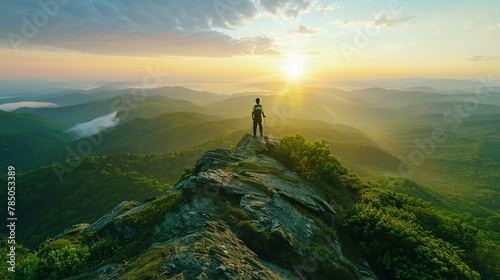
<point x="262" y="110"/>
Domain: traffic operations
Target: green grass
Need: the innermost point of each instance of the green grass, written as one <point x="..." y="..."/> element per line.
<point x="246" y="166"/>
<point x="258" y="185"/>
<point x="149" y="264"/>
<point x="154" y="212"/>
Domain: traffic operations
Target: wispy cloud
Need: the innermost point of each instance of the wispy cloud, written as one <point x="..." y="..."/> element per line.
<point x="381" y="21"/>
<point x="304" y="30"/>
<point x="482" y="58"/>
<point x="490" y="25"/>
<point x="469" y="24"/>
<point x="440" y="30"/>
<point x="143" y="28"/>
<point x="323" y="9"/>
<point x="353" y="23"/>
<point x="386" y="22"/>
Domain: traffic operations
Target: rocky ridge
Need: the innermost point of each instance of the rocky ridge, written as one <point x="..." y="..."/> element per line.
<point x="240" y="215"/>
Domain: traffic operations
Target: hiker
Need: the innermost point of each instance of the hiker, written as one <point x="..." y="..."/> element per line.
<point x="257" y="114"/>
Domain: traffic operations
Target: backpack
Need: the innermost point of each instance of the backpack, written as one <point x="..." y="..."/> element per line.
<point x="257" y="111"/>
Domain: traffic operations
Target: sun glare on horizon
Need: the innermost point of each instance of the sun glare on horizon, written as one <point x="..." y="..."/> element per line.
<point x="294" y="67"/>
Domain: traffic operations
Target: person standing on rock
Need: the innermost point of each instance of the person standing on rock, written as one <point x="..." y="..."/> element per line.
<point x="257" y="114"/>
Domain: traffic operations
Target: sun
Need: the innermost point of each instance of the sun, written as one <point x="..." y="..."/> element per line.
<point x="294" y="67"/>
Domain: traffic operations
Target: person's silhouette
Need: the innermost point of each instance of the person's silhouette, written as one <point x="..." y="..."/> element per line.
<point x="257" y="114"/>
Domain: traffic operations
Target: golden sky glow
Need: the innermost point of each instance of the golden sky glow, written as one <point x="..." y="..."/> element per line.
<point x="250" y="42"/>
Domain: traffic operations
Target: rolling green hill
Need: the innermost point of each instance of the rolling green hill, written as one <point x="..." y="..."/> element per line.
<point x="26" y="141"/>
<point x="162" y="134"/>
<point x="464" y="161"/>
<point x="128" y="107"/>
<point x="46" y="205"/>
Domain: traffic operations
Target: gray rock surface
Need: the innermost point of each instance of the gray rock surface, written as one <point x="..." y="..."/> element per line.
<point x="111" y="218"/>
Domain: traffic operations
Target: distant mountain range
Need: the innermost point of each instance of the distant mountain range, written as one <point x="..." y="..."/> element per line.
<point x="423" y="84"/>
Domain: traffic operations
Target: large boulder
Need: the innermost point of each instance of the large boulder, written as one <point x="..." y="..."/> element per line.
<point x="251" y="145"/>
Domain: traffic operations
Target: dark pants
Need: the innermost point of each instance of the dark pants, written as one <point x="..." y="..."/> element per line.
<point x="255" y="122"/>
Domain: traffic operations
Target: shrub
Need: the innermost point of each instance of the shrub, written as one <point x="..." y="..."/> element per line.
<point x="103" y="250"/>
<point x="312" y="161"/>
<point x="188" y="172"/>
<point x="397" y="241"/>
<point x="59" y="263"/>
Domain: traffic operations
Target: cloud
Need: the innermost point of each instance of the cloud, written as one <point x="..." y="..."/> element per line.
<point x="200" y="43"/>
<point x="258" y="45"/>
<point x="288" y="9"/>
<point x="144" y="28"/>
<point x="469" y="24"/>
<point x="380" y="21"/>
<point x="490" y="25"/>
<point x="440" y="30"/>
<point x="325" y="8"/>
<point x="482" y="58"/>
<point x="304" y="30"/>
<point x="353" y="23"/>
<point x="386" y="22"/>
<point x="9" y="107"/>
<point x="95" y="126"/>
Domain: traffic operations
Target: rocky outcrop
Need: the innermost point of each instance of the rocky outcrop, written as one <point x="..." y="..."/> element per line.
<point x="205" y="247"/>
<point x="238" y="208"/>
<point x="247" y="171"/>
<point x="270" y="194"/>
<point x="122" y="208"/>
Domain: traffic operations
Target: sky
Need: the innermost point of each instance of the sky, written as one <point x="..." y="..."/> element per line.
<point x="232" y="43"/>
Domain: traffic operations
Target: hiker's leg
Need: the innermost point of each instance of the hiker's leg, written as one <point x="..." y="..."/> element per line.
<point x="260" y="128"/>
<point x="254" y="128"/>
